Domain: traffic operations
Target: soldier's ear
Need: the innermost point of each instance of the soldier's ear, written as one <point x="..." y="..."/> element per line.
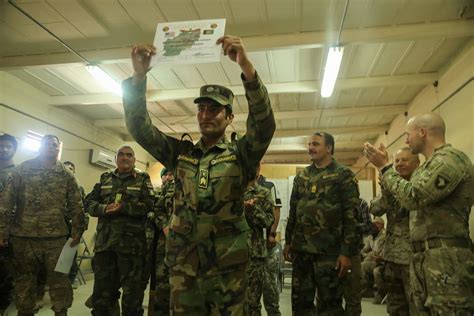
<point x="422" y="132"/>
<point x="230" y="117"/>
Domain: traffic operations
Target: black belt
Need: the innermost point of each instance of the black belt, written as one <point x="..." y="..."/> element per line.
<point x="420" y="246"/>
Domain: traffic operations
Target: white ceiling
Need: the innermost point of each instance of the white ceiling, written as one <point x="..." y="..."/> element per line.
<point x="393" y="48"/>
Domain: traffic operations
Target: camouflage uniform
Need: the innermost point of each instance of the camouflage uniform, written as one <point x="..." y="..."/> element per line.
<point x="6" y="264"/>
<point x="260" y="218"/>
<point x="45" y="198"/>
<point x="396" y="254"/>
<point x="439" y="196"/>
<point x="321" y="226"/>
<point x="373" y="249"/>
<point x="353" y="287"/>
<point x="120" y="247"/>
<point x="163" y="209"/>
<point x="207" y="248"/>
<point x="271" y="290"/>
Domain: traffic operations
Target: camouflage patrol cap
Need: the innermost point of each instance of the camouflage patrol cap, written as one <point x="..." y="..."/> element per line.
<point x="219" y="94"/>
<point x="164" y="171"/>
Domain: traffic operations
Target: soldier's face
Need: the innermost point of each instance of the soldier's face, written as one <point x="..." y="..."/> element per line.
<point x="7" y="150"/>
<point x="212" y="119"/>
<point x="71" y="168"/>
<point x="125" y="160"/>
<point x="405" y="163"/>
<point x="415" y="139"/>
<point x="167" y="177"/>
<point x="317" y="149"/>
<point x="49" y="148"/>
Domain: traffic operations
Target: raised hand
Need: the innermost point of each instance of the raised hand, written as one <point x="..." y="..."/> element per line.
<point x="378" y="157"/>
<point x="233" y="47"/>
<point x="141" y="58"/>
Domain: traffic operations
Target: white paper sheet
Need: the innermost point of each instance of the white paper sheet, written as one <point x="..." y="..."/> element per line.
<point x="66" y="258"/>
<point x="188" y="42"/>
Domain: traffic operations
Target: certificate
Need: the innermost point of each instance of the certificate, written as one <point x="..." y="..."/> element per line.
<point x="188" y="42"/>
<point x="66" y="258"/>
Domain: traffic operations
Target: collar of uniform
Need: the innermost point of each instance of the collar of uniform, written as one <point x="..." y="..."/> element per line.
<point x="117" y="174"/>
<point x="442" y="147"/>
<point x="36" y="164"/>
<point x="222" y="144"/>
<point x="331" y="165"/>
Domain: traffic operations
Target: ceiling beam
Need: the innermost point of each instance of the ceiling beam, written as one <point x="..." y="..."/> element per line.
<point x="279" y="133"/>
<point x="304" y="158"/>
<point x="273" y="88"/>
<point x="379" y="129"/>
<point x="282" y="115"/>
<point x="338" y="154"/>
<point x="303" y="147"/>
<point x="121" y="50"/>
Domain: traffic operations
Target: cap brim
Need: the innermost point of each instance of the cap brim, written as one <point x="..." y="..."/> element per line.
<point x="220" y="101"/>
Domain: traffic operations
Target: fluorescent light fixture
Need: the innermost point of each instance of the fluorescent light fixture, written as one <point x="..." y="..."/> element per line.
<point x="32" y="141"/>
<point x="333" y="63"/>
<point x="104" y="79"/>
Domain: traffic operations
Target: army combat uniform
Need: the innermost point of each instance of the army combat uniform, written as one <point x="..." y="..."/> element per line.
<point x="396" y="253"/>
<point x="207" y="248"/>
<point x="321" y="226"/>
<point x="439" y="196"/>
<point x="353" y="287"/>
<point x="6" y="263"/>
<point x="163" y="210"/>
<point x="260" y="218"/>
<point x="45" y="198"/>
<point x="271" y="288"/>
<point x="120" y="247"/>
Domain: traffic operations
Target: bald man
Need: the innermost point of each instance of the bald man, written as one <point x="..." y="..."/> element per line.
<point x="439" y="196"/>
<point x="397" y="250"/>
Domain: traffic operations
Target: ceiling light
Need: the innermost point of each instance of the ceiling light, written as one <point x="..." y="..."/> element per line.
<point x="333" y="63"/>
<point x="104" y="79"/>
<point x="32" y="141"/>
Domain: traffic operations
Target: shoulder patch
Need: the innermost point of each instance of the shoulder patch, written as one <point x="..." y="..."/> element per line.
<point x="441" y="182"/>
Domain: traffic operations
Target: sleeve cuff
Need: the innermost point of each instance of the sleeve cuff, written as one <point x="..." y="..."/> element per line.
<point x="253" y="84"/>
<point x="385" y="168"/>
<point x="101" y="209"/>
<point x="347" y="251"/>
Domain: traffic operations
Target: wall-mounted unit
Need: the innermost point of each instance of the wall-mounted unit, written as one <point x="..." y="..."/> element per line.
<point x="103" y="158"/>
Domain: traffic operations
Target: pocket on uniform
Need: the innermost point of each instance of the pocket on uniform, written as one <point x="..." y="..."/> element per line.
<point x="179" y="243"/>
<point x="225" y="179"/>
<point x="449" y="275"/>
<point x="231" y="243"/>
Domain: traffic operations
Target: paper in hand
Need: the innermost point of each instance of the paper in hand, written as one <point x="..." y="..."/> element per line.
<point x="190" y="42"/>
<point x="66" y="258"/>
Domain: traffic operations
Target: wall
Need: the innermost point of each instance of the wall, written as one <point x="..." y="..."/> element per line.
<point x="77" y="134"/>
<point x="457" y="111"/>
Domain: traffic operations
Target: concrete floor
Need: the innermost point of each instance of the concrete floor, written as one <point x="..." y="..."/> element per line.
<point x="83" y="291"/>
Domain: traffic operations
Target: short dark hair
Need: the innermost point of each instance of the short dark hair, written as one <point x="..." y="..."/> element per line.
<point x="9" y="138"/>
<point x="69" y="163"/>
<point x="328" y="140"/>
